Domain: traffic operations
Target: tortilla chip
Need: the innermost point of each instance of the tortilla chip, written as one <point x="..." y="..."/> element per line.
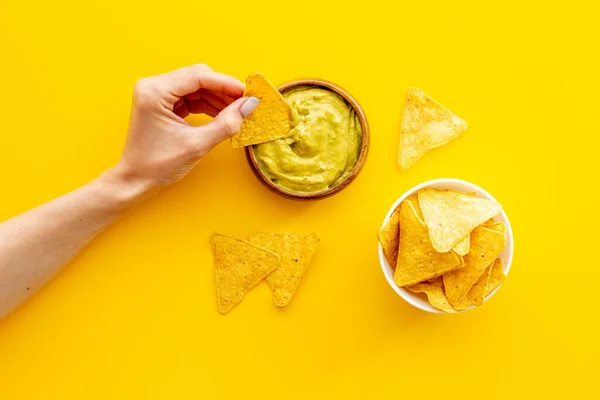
<point x="451" y="216"/>
<point x="496" y="226"/>
<point x="463" y="304"/>
<point x="296" y="251"/>
<point x="462" y="248"/>
<point x="497" y="276"/>
<point x="486" y="244"/>
<point x="414" y="201"/>
<point x="239" y="266"/>
<point x="477" y="292"/>
<point x="417" y="259"/>
<point x="389" y="237"/>
<point x="426" y="124"/>
<point x="272" y="119"/>
<point x="434" y="289"/>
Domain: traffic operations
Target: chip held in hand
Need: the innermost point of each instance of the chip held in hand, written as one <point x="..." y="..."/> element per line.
<point x="272" y="119"/>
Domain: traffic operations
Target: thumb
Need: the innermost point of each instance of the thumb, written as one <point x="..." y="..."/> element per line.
<point x="229" y="121"/>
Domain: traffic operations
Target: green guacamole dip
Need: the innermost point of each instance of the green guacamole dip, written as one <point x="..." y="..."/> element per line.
<point x="323" y="146"/>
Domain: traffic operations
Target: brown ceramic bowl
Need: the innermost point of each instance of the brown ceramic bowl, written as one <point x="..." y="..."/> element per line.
<point x="264" y="179"/>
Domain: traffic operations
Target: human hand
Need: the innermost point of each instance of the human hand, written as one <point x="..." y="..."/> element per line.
<point x="161" y="146"/>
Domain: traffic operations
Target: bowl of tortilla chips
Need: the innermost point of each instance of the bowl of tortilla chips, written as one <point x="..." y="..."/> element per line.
<point x="446" y="246"/>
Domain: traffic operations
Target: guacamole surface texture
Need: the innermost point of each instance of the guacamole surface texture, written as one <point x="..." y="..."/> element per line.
<point x="323" y="146"/>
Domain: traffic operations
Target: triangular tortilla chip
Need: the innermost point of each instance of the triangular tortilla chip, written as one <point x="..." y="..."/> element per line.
<point x="296" y="251"/>
<point x="486" y="244"/>
<point x="434" y="289"/>
<point x="451" y="216"/>
<point x="461" y="305"/>
<point x="389" y="237"/>
<point x="417" y="259"/>
<point x="462" y="248"/>
<point x="477" y="292"/>
<point x="497" y="276"/>
<point x="239" y="266"/>
<point x="496" y="226"/>
<point x="272" y="119"/>
<point x="426" y="124"/>
<point x="414" y="201"/>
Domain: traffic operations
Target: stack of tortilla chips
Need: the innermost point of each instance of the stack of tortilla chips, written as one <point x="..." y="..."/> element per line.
<point x="445" y="244"/>
<point x="280" y="258"/>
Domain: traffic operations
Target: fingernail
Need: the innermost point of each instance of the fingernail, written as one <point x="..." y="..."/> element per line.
<point x="249" y="106"/>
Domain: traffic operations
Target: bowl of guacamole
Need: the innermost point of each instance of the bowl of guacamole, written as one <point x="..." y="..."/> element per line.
<point x="326" y="148"/>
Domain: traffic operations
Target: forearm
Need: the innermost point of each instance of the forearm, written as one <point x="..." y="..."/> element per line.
<point x="161" y="148"/>
<point x="34" y="246"/>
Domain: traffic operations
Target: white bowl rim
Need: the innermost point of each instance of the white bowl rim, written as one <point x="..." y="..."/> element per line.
<point x="506" y="254"/>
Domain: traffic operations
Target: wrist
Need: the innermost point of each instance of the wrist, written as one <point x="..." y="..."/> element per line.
<point x="125" y="189"/>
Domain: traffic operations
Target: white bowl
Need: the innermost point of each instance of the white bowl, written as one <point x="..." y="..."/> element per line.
<point x="460" y="186"/>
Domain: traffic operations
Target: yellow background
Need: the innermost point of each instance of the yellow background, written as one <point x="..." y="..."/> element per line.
<point x="135" y="315"/>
